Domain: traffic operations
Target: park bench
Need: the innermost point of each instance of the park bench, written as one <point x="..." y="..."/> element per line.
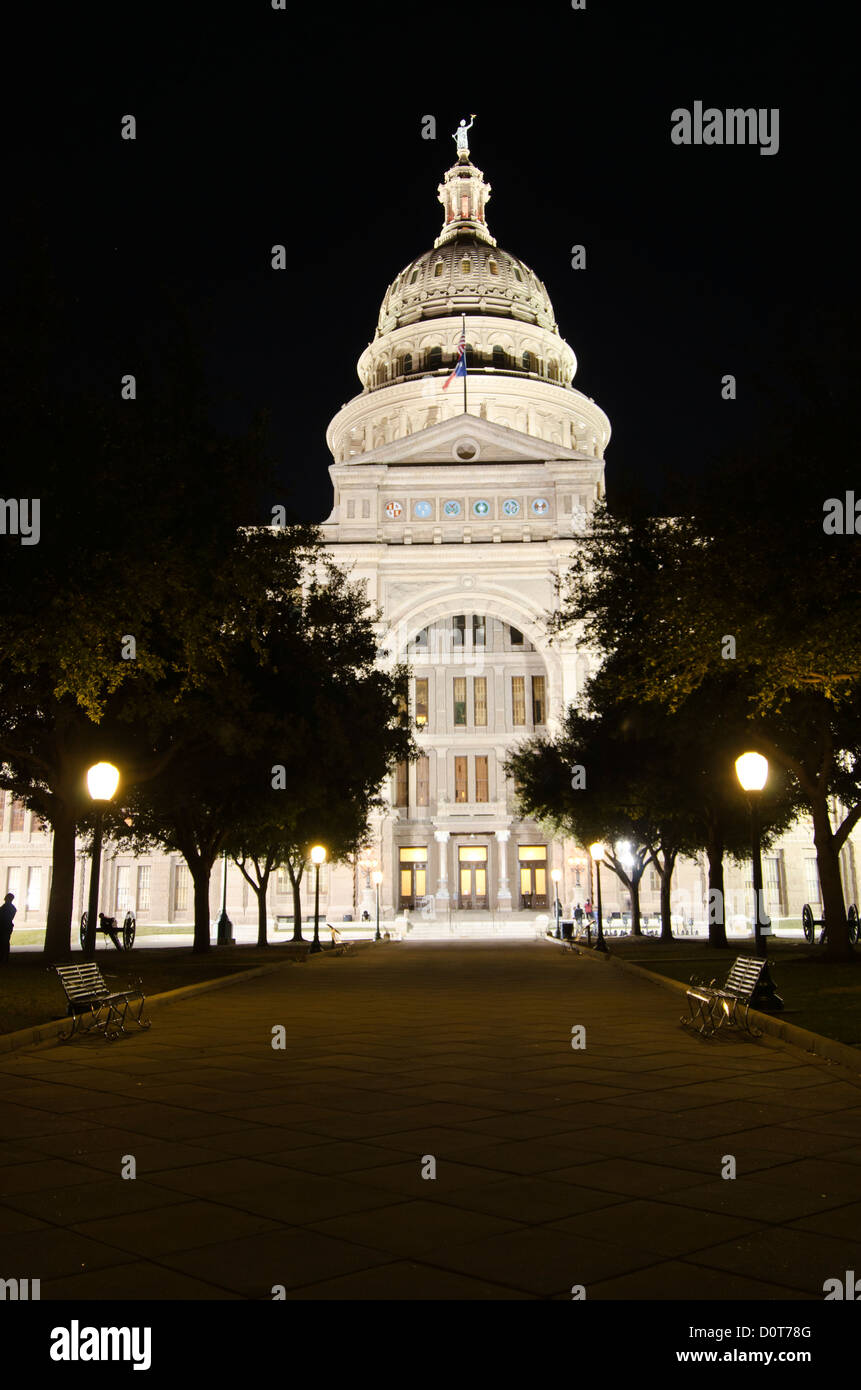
<point x="95" y="1008"/>
<point x="713" y="1006"/>
<point x="339" y="946"/>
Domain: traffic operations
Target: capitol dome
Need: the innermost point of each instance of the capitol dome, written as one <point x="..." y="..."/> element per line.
<point x="520" y="370"/>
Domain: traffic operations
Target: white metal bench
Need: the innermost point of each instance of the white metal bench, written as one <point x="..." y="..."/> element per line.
<point x="95" y="1008"/>
<point x="713" y="1006"/>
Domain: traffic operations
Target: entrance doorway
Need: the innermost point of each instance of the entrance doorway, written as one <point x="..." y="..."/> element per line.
<point x="472" y="876"/>
<point x="533" y="876"/>
<point x="414" y="872"/>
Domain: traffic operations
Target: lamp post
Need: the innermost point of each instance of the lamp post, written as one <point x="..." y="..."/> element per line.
<point x="751" y="769"/>
<point x="377" y="876"/>
<point x="597" y="853"/>
<point x="318" y="856"/>
<point x="102" y="782"/>
<point x="225" y="926"/>
<point x="556" y="875"/>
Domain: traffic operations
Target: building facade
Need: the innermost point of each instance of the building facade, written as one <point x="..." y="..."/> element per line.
<point x="457" y="502"/>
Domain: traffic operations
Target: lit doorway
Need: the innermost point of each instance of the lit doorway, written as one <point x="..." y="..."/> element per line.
<point x="472" y="876"/>
<point x="533" y="876"/>
<point x="413" y="871"/>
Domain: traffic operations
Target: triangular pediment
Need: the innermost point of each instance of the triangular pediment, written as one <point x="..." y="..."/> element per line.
<point x="450" y="440"/>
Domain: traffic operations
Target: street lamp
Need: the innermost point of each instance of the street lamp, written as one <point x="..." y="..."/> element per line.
<point x="597" y="853"/>
<point x="224" y="926"/>
<point x="102" y="782"/>
<point x="751" y="769"/>
<point x="556" y="875"/>
<point x="318" y="857"/>
<point x="377" y="876"/>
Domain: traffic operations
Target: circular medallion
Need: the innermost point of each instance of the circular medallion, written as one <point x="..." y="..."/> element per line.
<point x="423" y="509"/>
<point x="540" y="506"/>
<point x="394" y="510"/>
<point x="481" y="508"/>
<point x="452" y="509"/>
<point x="510" y="506"/>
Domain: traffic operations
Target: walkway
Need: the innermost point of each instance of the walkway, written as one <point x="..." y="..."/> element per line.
<point x="304" y="1167"/>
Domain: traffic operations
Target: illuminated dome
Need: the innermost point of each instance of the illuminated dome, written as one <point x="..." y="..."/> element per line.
<point x="520" y="369"/>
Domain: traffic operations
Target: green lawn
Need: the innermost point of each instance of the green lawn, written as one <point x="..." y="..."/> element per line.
<point x="31" y="993"/>
<point x="824" y="998"/>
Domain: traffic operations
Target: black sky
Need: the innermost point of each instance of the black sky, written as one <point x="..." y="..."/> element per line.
<point x="258" y="127"/>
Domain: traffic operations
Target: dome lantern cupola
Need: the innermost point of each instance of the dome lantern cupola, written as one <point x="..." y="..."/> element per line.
<point x="464" y="194"/>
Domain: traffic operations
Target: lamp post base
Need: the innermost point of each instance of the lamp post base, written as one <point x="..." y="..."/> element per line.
<point x="224" y="931"/>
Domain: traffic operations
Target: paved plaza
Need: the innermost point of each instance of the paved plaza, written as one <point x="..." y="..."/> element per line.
<point x="306" y="1167"/>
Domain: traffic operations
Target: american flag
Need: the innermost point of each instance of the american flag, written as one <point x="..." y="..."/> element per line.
<point x="460" y="364"/>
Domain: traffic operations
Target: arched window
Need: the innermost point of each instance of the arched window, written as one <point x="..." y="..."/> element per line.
<point x="518" y="275"/>
<point x="466" y="265"/>
<point x="526" y="361"/>
<point x="499" y="357"/>
<point x="381" y="373"/>
<point x="407" y="364"/>
<point x="493" y="267"/>
<point x="553" y="369"/>
<point x="434" y="359"/>
<point x="437" y="270"/>
<point x="414" y="276"/>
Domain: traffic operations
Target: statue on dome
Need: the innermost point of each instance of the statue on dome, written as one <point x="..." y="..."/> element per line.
<point x="460" y="135"/>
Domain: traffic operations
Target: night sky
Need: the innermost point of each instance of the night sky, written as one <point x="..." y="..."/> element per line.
<point x="256" y="127"/>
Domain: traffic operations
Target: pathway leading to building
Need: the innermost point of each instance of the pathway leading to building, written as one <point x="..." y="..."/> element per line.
<point x="304" y="1167"/>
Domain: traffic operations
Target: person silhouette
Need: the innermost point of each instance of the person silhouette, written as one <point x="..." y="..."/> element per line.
<point x="7" y="917"/>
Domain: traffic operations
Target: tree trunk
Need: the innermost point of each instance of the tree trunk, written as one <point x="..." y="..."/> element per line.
<point x="636" y="926"/>
<point x="260" y="889"/>
<point x="666" y="886"/>
<point x="837" y="946"/>
<point x="716" y="901"/>
<point x="61" y="904"/>
<point x="201" y="873"/>
<point x="296" y="881"/>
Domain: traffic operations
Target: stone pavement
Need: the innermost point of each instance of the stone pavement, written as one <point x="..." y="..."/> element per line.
<point x="554" y="1166"/>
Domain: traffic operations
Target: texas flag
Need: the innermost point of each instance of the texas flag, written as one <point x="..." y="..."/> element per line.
<point x="460" y="365"/>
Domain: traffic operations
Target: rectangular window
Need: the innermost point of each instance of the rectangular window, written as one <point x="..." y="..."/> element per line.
<point x="366" y="508"/>
<point x="518" y="700"/>
<point x="538" y="699"/>
<point x="282" y="881"/>
<point x="144" y="878"/>
<point x="181" y="881"/>
<point x="423" y="782"/>
<point x="351" y="509"/>
<point x="516" y="637"/>
<point x="124" y="888"/>
<point x="34" y="886"/>
<point x="481" y="789"/>
<point x="422" y="702"/>
<point x="479" y="630"/>
<point x="16" y="815"/>
<point x="402" y="784"/>
<point x="461" y="788"/>
<point x="458" y="630"/>
<point x="811" y="879"/>
<point x="479" y="698"/>
<point x="459" y="684"/>
<point x="13" y="880"/>
<point x="773" y="884"/>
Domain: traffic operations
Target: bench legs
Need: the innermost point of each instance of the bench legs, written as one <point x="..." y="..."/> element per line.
<point x="711" y="1010"/>
<point x="109" y="1017"/>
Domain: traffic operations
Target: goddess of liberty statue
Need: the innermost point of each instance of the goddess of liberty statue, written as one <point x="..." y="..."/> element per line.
<point x="460" y="136"/>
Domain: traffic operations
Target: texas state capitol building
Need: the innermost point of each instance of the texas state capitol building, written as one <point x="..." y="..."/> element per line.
<point x="459" y="522"/>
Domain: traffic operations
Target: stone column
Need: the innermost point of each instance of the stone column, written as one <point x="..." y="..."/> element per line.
<point x="503" y="892"/>
<point x="442" y="893"/>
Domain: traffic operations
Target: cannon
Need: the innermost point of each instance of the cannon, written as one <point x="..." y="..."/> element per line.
<point x="809" y="923"/>
<point x="108" y="925"/>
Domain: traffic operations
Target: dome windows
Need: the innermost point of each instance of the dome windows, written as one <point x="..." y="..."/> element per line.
<point x="493" y="267"/>
<point x="437" y="270"/>
<point x="434" y="359"/>
<point x="414" y="276"/>
<point x="517" y="274"/>
<point x="500" y="360"/>
<point x="466" y="265"/>
<point x="407" y="364"/>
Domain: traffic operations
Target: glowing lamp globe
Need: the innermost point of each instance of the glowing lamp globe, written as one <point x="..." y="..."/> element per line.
<point x="377" y="877"/>
<point x="102" y="781"/>
<point x="597" y="852"/>
<point x="556" y="875"/>
<point x="318" y="855"/>
<point x="751" y="769"/>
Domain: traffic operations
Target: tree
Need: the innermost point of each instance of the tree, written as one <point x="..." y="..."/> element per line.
<point x="288" y="731"/>
<point x="674" y="601"/>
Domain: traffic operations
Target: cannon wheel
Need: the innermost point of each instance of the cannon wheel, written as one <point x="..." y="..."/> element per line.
<point x="129" y="931"/>
<point x="852" y="922"/>
<point x="83" y="930"/>
<point x="807" y="924"/>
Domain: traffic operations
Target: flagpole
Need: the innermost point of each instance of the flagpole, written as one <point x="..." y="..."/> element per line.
<point x="463" y="326"/>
